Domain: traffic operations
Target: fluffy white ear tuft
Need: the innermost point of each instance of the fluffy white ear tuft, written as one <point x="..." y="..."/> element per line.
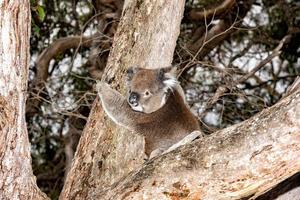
<point x="170" y="82"/>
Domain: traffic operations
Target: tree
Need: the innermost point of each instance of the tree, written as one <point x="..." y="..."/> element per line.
<point x="17" y="180"/>
<point x="109" y="162"/>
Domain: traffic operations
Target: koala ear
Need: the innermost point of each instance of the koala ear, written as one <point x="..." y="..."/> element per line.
<point x="161" y="74"/>
<point x="168" y="76"/>
<point x="169" y="71"/>
<point x="130" y="72"/>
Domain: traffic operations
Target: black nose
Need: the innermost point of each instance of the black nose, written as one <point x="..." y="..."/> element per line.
<point x="133" y="98"/>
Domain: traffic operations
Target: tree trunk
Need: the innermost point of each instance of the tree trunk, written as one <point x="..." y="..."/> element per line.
<point x="239" y="162"/>
<point x="146" y="37"/>
<point x="16" y="178"/>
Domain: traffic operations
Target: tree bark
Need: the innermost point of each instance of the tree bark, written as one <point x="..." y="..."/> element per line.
<point x="239" y="162"/>
<point x="146" y="37"/>
<point x="16" y="178"/>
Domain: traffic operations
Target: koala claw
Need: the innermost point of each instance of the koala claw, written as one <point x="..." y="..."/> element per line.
<point x="100" y="86"/>
<point x="156" y="152"/>
<point x="187" y="139"/>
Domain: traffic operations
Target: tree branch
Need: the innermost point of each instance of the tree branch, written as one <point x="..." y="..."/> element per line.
<point x="57" y="47"/>
<point x="215" y="12"/>
<point x="205" y="40"/>
<point x="242" y="161"/>
<point x="224" y="88"/>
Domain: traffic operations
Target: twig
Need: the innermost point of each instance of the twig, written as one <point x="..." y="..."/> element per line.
<point x="208" y="37"/>
<point x="224" y="88"/>
<point x="276" y="52"/>
<point x="218" y="11"/>
<point x="293" y="88"/>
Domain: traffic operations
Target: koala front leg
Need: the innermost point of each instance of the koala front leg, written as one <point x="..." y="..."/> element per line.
<point x="116" y="106"/>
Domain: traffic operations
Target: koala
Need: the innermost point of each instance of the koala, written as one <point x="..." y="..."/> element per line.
<point x="154" y="107"/>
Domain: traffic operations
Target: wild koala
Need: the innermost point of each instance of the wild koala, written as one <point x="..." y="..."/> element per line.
<point x="155" y="107"/>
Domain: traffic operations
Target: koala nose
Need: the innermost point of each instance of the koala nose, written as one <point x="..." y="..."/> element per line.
<point x="133" y="98"/>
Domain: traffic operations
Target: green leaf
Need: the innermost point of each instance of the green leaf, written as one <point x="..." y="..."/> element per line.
<point x="41" y="12"/>
<point x="35" y="28"/>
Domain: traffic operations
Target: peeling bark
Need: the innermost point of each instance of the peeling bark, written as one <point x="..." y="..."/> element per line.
<point x="146" y="36"/>
<point x="16" y="178"/>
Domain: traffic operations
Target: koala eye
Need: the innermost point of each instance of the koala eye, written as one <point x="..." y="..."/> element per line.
<point x="147" y="93"/>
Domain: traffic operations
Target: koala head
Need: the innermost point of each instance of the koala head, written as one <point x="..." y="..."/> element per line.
<point x="149" y="89"/>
